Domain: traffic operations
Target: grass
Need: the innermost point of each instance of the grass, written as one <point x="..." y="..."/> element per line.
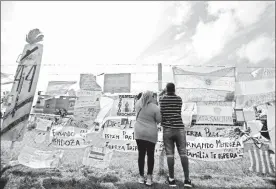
<point x="122" y="172"/>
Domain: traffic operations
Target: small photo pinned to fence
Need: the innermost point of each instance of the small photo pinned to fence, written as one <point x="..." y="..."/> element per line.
<point x="98" y="157"/>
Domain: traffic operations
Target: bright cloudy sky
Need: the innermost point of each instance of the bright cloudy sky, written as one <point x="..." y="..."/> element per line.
<point x="79" y="35"/>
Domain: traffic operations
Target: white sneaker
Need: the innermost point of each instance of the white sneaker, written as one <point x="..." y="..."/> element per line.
<point x="149" y="180"/>
<point x="141" y="179"/>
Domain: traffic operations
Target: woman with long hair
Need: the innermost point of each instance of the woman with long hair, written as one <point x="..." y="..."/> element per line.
<point x="145" y="133"/>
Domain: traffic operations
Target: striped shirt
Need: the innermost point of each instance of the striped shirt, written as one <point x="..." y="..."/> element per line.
<point x="170" y="107"/>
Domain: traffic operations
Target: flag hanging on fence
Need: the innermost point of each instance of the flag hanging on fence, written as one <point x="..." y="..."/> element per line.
<point x="260" y="161"/>
<point x="211" y="84"/>
<point x="255" y="87"/>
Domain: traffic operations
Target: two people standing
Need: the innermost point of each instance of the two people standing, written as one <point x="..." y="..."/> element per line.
<point x="149" y="115"/>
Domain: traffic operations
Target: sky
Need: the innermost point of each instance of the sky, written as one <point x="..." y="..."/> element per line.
<point x="90" y="36"/>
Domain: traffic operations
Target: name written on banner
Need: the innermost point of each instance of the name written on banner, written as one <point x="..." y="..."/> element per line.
<point x="212" y="131"/>
<point x="215" y="154"/>
<point x="68" y="137"/>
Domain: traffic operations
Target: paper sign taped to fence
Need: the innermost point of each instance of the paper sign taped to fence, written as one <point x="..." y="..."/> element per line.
<point x="117" y="83"/>
<point x="88" y="101"/>
<point x="68" y="137"/>
<point x="88" y="82"/>
<point x="97" y="157"/>
<point x="35" y="158"/>
<point x="215" y="154"/>
<point x="43" y="124"/>
<point x="212" y="131"/>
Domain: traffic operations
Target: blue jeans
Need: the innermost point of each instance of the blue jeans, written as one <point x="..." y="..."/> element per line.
<point x="174" y="136"/>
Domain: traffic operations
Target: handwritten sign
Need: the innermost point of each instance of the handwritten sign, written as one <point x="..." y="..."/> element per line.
<point x="21" y="97"/>
<point x="57" y="88"/>
<point x="86" y="113"/>
<point x="68" y="137"/>
<point x="247" y="101"/>
<point x="212" y="131"/>
<point x="43" y="124"/>
<point x="88" y="82"/>
<point x="214" y="113"/>
<point x="117" y="83"/>
<point x="126" y="106"/>
<point x="98" y="157"/>
<point x="215" y="154"/>
<point x="35" y="158"/>
<point x="92" y="100"/>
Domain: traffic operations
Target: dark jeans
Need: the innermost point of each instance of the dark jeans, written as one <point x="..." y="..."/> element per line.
<point x="172" y="137"/>
<point x="143" y="148"/>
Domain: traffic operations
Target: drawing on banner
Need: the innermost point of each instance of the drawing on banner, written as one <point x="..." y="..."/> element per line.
<point x="126" y="106"/>
<point x="92" y="99"/>
<point x="35" y="158"/>
<point x="23" y="90"/>
<point x="117" y="83"/>
<point x="59" y="88"/>
<point x="86" y="113"/>
<point x="68" y="137"/>
<point x="98" y="157"/>
<point x="214" y="113"/>
<point x="88" y="82"/>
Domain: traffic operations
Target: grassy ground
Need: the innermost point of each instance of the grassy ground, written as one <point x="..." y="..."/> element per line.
<point x="122" y="173"/>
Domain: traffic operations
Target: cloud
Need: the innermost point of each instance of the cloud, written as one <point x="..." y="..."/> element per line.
<point x="259" y="49"/>
<point x="210" y="38"/>
<point x="246" y="12"/>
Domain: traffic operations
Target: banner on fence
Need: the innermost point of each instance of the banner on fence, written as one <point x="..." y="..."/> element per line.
<point x="262" y="79"/>
<point x="98" y="157"/>
<point x="93" y="100"/>
<point x="43" y="124"/>
<point x="212" y="131"/>
<point x="68" y="137"/>
<point x="271" y="125"/>
<point x="215" y="154"/>
<point x="58" y="88"/>
<point x="86" y="113"/>
<point x="214" y="113"/>
<point x="126" y="105"/>
<point x="35" y="158"/>
<point x="117" y="83"/>
<point x="210" y="85"/>
<point x="88" y="82"/>
<point x="21" y="97"/>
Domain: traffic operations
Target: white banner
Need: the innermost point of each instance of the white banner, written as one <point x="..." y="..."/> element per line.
<point x="57" y="88"/>
<point x="86" y="113"/>
<point x="68" y="137"/>
<point x="271" y="125"/>
<point x="35" y="158"/>
<point x="43" y="124"/>
<point x="214" y="113"/>
<point x="117" y="83"/>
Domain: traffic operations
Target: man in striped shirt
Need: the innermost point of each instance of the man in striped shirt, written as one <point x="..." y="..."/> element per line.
<point x="174" y="133"/>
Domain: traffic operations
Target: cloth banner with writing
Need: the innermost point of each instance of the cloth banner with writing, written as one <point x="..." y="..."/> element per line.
<point x="255" y="87"/>
<point x="35" y="158"/>
<point x="214" y="113"/>
<point x="271" y="125"/>
<point x="68" y="137"/>
<point x="211" y="84"/>
<point x="43" y="124"/>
